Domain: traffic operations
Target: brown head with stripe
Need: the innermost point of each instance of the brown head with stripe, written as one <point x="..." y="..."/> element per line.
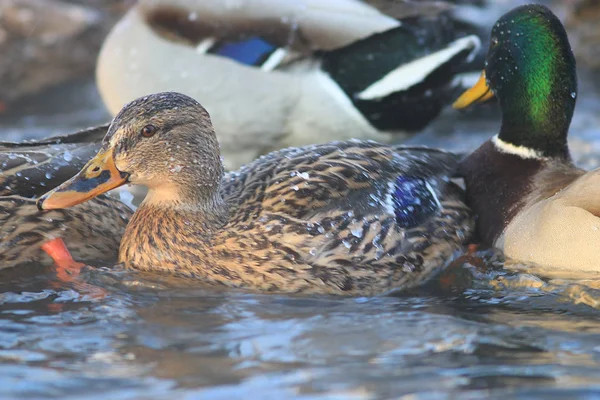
<point x="164" y="141"/>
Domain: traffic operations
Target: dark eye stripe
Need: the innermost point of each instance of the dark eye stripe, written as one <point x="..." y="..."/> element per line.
<point x="125" y="144"/>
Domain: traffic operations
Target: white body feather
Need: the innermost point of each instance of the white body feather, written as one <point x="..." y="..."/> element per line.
<point x="412" y="73"/>
<point x="250" y="117"/>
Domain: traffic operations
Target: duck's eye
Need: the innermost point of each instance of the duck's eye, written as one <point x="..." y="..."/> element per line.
<point x="494" y="42"/>
<point x="148" y="131"/>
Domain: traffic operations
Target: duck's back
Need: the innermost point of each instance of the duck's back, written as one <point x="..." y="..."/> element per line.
<point x="32" y="168"/>
<point x="356" y="216"/>
<point x="91" y="231"/>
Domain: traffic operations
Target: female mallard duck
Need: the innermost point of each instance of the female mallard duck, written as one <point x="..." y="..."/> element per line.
<point x="531" y="201"/>
<point x="350" y="217"/>
<point x="91" y="231"/>
<point x="319" y="70"/>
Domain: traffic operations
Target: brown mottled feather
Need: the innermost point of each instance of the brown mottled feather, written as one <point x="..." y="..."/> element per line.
<point x="328" y="233"/>
<point x="316" y="219"/>
<point x="310" y="219"/>
<point x="91" y="231"/>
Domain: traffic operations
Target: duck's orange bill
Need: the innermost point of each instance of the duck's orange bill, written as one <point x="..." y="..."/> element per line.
<point x="98" y="176"/>
<point x="479" y="93"/>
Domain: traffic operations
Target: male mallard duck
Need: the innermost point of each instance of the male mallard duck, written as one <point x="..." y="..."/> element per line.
<point x="91" y="231"/>
<point x="354" y="217"/>
<point x="320" y="71"/>
<point x="532" y="202"/>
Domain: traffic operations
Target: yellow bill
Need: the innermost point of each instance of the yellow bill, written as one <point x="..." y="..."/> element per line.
<point x="479" y="93"/>
<point x="98" y="176"/>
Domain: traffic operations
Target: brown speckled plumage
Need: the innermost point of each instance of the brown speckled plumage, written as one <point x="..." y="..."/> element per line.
<point x="317" y="219"/>
<point x="91" y="231"/>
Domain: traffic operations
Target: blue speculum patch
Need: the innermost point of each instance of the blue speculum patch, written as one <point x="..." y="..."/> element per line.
<point x="253" y="51"/>
<point x="414" y="201"/>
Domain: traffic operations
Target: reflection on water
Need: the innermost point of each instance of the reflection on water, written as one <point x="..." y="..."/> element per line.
<point x="154" y="337"/>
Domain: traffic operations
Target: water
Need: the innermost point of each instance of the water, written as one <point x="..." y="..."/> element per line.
<point x="157" y="338"/>
<point x="477" y="332"/>
<point x="59" y="110"/>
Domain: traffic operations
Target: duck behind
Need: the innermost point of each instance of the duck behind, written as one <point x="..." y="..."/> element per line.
<point x="278" y="73"/>
<point x="91" y="231"/>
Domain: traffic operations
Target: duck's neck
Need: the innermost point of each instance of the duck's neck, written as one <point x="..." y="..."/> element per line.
<point x="204" y="208"/>
<point x="166" y="228"/>
<point x="540" y="135"/>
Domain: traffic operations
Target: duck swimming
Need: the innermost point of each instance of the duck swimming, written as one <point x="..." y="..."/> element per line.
<point x="91" y="231"/>
<point x="353" y="217"/>
<point x="531" y="201"/>
<point x="322" y="70"/>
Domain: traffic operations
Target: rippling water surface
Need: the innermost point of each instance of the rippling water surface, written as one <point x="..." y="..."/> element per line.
<point x="479" y="331"/>
<point x="126" y="336"/>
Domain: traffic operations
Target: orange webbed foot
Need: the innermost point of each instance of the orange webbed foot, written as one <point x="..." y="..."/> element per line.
<point x="68" y="270"/>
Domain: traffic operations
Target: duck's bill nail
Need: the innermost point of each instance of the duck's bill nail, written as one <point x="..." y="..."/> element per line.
<point x="479" y="93"/>
<point x="98" y="176"/>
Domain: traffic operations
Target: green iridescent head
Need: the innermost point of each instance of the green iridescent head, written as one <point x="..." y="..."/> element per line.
<point x="531" y="70"/>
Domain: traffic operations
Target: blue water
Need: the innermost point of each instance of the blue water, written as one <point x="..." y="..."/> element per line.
<point x="156" y="338"/>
